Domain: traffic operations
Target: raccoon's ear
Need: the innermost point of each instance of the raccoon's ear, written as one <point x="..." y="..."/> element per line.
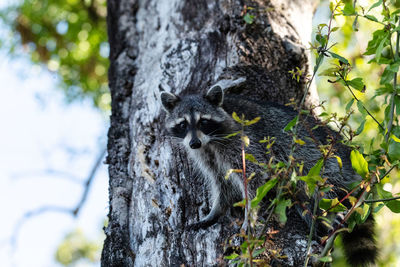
<point x="169" y="101"/>
<point x="215" y="95"/>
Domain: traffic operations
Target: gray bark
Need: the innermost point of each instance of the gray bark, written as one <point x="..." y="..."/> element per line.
<point x="184" y="47"/>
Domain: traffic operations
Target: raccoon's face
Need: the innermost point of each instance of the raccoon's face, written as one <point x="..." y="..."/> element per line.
<point x="197" y="120"/>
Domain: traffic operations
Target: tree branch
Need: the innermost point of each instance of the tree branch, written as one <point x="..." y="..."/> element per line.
<point x="89" y="181"/>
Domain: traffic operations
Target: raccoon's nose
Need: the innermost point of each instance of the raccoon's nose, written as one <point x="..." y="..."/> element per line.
<point x="195" y="143"/>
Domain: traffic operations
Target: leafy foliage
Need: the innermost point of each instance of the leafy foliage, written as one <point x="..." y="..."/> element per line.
<point x="70" y="38"/>
<point x="76" y="247"/>
<point x="376" y="160"/>
<point x="368" y="73"/>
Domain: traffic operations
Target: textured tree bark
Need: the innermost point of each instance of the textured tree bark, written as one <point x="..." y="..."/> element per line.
<point x="184" y="47"/>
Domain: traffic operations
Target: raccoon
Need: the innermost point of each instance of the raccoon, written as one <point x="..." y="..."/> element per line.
<point x="202" y="123"/>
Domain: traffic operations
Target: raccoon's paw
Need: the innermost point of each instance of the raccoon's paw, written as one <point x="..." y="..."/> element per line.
<point x="198" y="225"/>
<point x="203" y="224"/>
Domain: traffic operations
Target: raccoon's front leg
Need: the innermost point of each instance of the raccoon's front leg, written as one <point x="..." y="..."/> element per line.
<point x="215" y="213"/>
<point x="224" y="193"/>
<point x="217" y="190"/>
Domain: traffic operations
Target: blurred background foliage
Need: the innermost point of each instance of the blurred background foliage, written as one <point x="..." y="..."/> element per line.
<point x="351" y="41"/>
<point x="69" y="38"/>
<point x="76" y="249"/>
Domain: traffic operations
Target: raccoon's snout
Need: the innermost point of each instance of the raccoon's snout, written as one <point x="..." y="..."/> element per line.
<point x="195" y="143"/>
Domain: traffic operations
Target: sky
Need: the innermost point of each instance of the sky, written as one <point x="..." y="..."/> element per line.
<point x="47" y="149"/>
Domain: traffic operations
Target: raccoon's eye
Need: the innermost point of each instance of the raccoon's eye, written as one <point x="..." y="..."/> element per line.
<point x="209" y="126"/>
<point x="182" y="126"/>
<point x="204" y="122"/>
<point x="179" y="130"/>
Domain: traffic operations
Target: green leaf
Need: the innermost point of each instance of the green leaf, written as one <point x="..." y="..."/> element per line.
<point x="359" y="164"/>
<point x="236" y="118"/>
<point x="330" y="72"/>
<point x="255" y="120"/>
<point x="258" y="252"/>
<point x="370" y="17"/>
<point x="327" y="204"/>
<point x="387" y="89"/>
<point x="376" y="41"/>
<point x="375" y="5"/>
<point x="334" y="29"/>
<point x="341" y="59"/>
<point x="299" y="141"/>
<point x="313" y="177"/>
<point x="361" y="108"/>
<point x="396" y="139"/>
<point x="232" y="134"/>
<point x="361" y="127"/>
<point x="394" y="150"/>
<point x="325" y="259"/>
<point x="387" y="75"/>
<point x="394" y="206"/>
<point x="251" y="158"/>
<point x="382" y="193"/>
<point x="290" y="125"/>
<point x="232" y="256"/>
<point x="394" y="145"/>
<point x="241" y="204"/>
<point x="378" y="208"/>
<point x="339" y="160"/>
<point x="321" y="39"/>
<point x="348" y="9"/>
<point x="365" y="208"/>
<point x="379" y="49"/>
<point x="244" y="246"/>
<point x="397" y="104"/>
<point x="394" y="67"/>
<point x="357" y="84"/>
<point x="280" y="209"/>
<point x="249" y="19"/>
<point x="348" y="106"/>
<point x="262" y="192"/>
<point x="318" y="62"/>
<point x="316" y="169"/>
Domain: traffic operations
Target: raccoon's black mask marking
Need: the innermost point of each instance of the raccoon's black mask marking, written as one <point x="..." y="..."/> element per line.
<point x="197" y="118"/>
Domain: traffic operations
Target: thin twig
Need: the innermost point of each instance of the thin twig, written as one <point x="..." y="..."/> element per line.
<point x="246" y="197"/>
<point x="394" y="93"/>
<point x="89" y="181"/>
<point x="318" y="64"/>
<point x="343" y="199"/>
<point x="271" y="210"/>
<point x="355" y="97"/>
<point x="328" y="245"/>
<point x="71" y="211"/>
<point x="348" y="213"/>
<point x="312" y="229"/>
<point x="358" y="201"/>
<point x="381" y="200"/>
<point x="33" y="213"/>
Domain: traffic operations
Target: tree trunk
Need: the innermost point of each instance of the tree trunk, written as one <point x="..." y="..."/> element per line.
<point x="185" y="47"/>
